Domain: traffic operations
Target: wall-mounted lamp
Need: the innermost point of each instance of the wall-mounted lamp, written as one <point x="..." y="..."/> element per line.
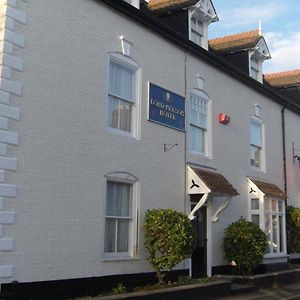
<point x="223" y="118"/>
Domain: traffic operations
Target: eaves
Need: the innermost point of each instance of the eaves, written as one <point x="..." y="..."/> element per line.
<point x="180" y="41"/>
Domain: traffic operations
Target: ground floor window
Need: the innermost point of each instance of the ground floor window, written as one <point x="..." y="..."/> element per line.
<point x="274" y="224"/>
<point x="269" y="214"/>
<point x="120" y="218"/>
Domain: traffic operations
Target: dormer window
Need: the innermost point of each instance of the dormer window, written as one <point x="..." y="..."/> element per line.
<point x="255" y="69"/>
<point x="196" y="31"/>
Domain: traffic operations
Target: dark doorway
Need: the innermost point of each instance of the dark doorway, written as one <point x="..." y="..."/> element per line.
<point x="199" y="256"/>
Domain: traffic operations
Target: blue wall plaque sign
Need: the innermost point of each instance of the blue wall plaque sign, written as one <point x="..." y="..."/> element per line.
<point x="166" y="108"/>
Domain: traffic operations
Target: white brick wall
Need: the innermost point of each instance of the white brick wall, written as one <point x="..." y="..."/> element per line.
<point x="64" y="150"/>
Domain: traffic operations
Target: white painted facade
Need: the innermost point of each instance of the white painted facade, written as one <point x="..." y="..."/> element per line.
<point x="57" y="151"/>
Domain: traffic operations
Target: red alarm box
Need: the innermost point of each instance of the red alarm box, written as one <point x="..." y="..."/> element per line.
<point x="224" y="119"/>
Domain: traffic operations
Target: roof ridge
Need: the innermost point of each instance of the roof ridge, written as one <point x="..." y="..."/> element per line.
<point x="241" y="34"/>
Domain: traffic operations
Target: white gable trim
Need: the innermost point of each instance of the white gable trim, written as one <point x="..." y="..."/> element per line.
<point x="205" y="11"/>
<point x="195" y="185"/>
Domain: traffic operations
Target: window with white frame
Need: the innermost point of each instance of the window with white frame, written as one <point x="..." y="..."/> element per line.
<point x="119" y="219"/>
<point x="269" y="214"/>
<point x="122" y="96"/>
<point x="255" y="68"/>
<point x="196" y="30"/>
<point x="274" y="215"/>
<point x="256" y="143"/>
<point x="198" y="129"/>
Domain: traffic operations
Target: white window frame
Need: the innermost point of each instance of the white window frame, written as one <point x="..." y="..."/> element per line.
<point x="262" y="221"/>
<point x="255" y="67"/>
<point x="133" y="238"/>
<point x="207" y="132"/>
<point x="270" y="213"/>
<point x="262" y="166"/>
<point x="200" y="30"/>
<point x="135" y="112"/>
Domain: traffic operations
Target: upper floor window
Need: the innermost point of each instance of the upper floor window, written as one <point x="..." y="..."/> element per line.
<point x="256" y="143"/>
<point x="196" y="30"/>
<point x="122" y="96"/>
<point x="198" y="129"/>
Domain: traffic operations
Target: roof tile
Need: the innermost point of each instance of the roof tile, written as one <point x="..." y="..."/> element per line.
<point x="287" y="78"/>
<point x="156" y="5"/>
<point x="269" y="189"/>
<point x="216" y="182"/>
<point x="244" y="40"/>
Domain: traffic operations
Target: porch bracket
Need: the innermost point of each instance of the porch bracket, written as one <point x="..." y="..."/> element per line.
<point x="199" y="204"/>
<point x="214" y="217"/>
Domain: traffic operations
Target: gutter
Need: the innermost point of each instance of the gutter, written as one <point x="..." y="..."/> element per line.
<point x="182" y="42"/>
<point x="284" y="150"/>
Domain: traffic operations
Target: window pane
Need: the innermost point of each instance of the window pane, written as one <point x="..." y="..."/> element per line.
<point x="194" y="23"/>
<point x="198" y="112"/>
<point x="125" y="115"/>
<point x="197" y="137"/>
<point x="268" y="231"/>
<point x="120" y="114"/>
<point x="255" y="134"/>
<point x="280" y="206"/>
<point x="121" y="81"/>
<point x="267" y="204"/>
<point x="110" y="235"/>
<point x="123" y="234"/>
<point x="274" y="205"/>
<point x="255" y="204"/>
<point x="255" y="219"/>
<point x="255" y="157"/>
<point x="275" y="237"/>
<point x="118" y="199"/>
<point x="113" y="112"/>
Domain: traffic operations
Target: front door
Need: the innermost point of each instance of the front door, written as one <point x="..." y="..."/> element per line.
<point x="199" y="256"/>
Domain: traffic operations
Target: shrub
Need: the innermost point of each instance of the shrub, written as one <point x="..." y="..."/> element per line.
<point x="293" y="229"/>
<point x="245" y="244"/>
<point x="169" y="237"/>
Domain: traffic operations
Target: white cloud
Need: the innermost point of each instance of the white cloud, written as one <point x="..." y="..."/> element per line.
<point x="285" y="49"/>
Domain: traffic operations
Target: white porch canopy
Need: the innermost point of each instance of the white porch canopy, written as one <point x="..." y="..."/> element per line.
<point x="207" y="182"/>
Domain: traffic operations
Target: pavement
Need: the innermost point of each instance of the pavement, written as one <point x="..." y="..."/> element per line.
<point x="287" y="292"/>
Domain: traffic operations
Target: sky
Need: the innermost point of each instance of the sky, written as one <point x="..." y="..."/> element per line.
<point x="280" y="27"/>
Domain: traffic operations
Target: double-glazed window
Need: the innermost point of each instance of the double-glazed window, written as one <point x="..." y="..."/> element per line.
<point x="119" y="218"/>
<point x="198" y="129"/>
<point x="196" y="30"/>
<point x="122" y="96"/>
<point x="256" y="143"/>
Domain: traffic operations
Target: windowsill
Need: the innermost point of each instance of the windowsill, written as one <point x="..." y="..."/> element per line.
<point x="257" y="169"/>
<point x="121" y="133"/>
<point x="200" y="155"/>
<point x="119" y="258"/>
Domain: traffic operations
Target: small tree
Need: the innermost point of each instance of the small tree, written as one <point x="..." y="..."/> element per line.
<point x="245" y="244"/>
<point x="293" y="229"/>
<point x="169" y="237"/>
